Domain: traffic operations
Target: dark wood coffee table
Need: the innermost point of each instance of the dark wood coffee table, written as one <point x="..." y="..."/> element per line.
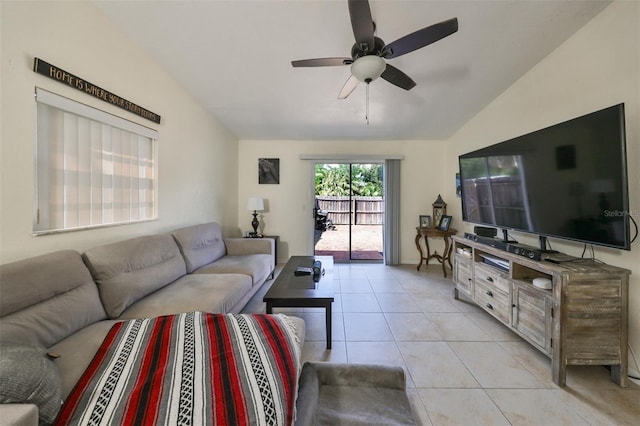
<point x="291" y="291"/>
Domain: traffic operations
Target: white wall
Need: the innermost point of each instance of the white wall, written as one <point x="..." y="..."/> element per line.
<point x="290" y="212"/>
<point x="596" y="68"/>
<point x="197" y="156"/>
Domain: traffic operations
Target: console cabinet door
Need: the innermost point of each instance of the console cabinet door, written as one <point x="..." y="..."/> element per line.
<point x="462" y="274"/>
<point x="532" y="316"/>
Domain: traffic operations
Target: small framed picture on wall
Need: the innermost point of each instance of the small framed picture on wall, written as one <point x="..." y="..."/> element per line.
<point x="268" y="170"/>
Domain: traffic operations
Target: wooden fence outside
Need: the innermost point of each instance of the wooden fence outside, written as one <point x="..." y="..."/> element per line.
<point x="363" y="210"/>
<point x="502" y="197"/>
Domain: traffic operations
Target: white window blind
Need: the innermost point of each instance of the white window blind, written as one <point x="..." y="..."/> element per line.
<point x="92" y="168"/>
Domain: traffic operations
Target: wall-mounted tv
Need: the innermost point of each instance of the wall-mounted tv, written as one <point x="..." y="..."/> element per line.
<point x="567" y="181"/>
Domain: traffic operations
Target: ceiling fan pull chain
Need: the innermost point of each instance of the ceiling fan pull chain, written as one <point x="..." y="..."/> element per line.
<point x="367" y="110"/>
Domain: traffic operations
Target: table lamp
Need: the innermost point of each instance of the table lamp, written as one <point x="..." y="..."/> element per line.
<point x="256" y="204"/>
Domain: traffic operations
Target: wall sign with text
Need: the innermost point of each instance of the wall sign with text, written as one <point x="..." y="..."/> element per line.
<point x="64" y="77"/>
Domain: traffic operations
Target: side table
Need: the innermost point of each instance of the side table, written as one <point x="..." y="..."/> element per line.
<point x="426" y="233"/>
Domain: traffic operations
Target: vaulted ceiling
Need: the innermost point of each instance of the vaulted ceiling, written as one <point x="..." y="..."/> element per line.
<point x="235" y="57"/>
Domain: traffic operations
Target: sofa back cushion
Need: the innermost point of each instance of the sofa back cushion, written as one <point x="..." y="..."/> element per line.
<point x="46" y="298"/>
<point x="128" y="270"/>
<point x="200" y="244"/>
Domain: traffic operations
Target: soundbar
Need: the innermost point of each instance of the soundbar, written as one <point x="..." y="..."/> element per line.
<point x="525" y="251"/>
<point x="529" y="252"/>
<point x="492" y="242"/>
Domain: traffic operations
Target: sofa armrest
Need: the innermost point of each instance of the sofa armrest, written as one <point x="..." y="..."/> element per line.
<point x="19" y="414"/>
<point x="365" y="392"/>
<point x="242" y="246"/>
<point x="358" y="375"/>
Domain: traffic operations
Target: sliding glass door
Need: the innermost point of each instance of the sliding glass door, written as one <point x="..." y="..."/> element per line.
<point x="349" y="211"/>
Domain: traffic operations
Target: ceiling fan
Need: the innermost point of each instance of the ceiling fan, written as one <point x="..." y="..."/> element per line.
<point x="369" y="52"/>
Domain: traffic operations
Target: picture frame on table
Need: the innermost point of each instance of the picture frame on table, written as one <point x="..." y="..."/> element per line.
<point x="445" y="223"/>
<point x="425" y="221"/>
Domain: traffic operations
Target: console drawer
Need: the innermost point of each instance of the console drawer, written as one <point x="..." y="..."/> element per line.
<point x="492" y="277"/>
<point x="493" y="299"/>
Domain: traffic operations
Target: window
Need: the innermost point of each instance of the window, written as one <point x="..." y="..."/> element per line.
<point x="92" y="168"/>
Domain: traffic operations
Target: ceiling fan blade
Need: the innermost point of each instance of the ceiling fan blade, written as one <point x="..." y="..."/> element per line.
<point x="420" y="38"/>
<point x="396" y="77"/>
<point x="348" y="87"/>
<point x="322" y="62"/>
<point x="362" y="24"/>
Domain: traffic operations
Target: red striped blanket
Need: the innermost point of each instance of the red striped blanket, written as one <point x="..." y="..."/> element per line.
<point x="190" y="369"/>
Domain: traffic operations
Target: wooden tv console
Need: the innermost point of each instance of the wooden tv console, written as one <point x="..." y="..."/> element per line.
<point x="582" y="320"/>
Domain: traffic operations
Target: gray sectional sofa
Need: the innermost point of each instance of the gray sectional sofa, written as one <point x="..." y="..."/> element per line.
<point x="66" y="302"/>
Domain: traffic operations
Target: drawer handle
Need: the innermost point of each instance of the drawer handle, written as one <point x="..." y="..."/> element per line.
<point x="490" y="279"/>
<point x="489" y="293"/>
<point x="489" y="306"/>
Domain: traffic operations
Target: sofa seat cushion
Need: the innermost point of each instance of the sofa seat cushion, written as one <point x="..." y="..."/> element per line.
<point x="76" y="352"/>
<point x="257" y="266"/>
<point x="194" y="292"/>
<point x="129" y="270"/>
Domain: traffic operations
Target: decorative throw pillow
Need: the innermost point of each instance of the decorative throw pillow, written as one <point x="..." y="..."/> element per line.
<point x="28" y="376"/>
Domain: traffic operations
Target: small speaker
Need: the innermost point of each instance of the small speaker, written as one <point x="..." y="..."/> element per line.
<point x="317" y="267"/>
<point x="484" y="231"/>
<point x="318" y="272"/>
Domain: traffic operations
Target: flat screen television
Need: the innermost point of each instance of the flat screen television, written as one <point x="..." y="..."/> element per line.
<point x="567" y="181"/>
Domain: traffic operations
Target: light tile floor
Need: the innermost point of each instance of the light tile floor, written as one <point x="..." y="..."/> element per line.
<point x="463" y="367"/>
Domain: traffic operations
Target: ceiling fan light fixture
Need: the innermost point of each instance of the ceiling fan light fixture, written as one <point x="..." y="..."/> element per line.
<point x="368" y="68"/>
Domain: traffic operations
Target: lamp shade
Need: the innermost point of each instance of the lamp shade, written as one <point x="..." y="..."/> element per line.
<point x="255" y="203"/>
<point x="368" y="68"/>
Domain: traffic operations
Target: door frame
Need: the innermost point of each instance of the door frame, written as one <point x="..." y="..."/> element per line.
<point x="337" y="158"/>
<point x="350" y="162"/>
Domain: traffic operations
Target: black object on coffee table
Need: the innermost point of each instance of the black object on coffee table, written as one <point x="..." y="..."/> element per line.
<point x="303" y="291"/>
